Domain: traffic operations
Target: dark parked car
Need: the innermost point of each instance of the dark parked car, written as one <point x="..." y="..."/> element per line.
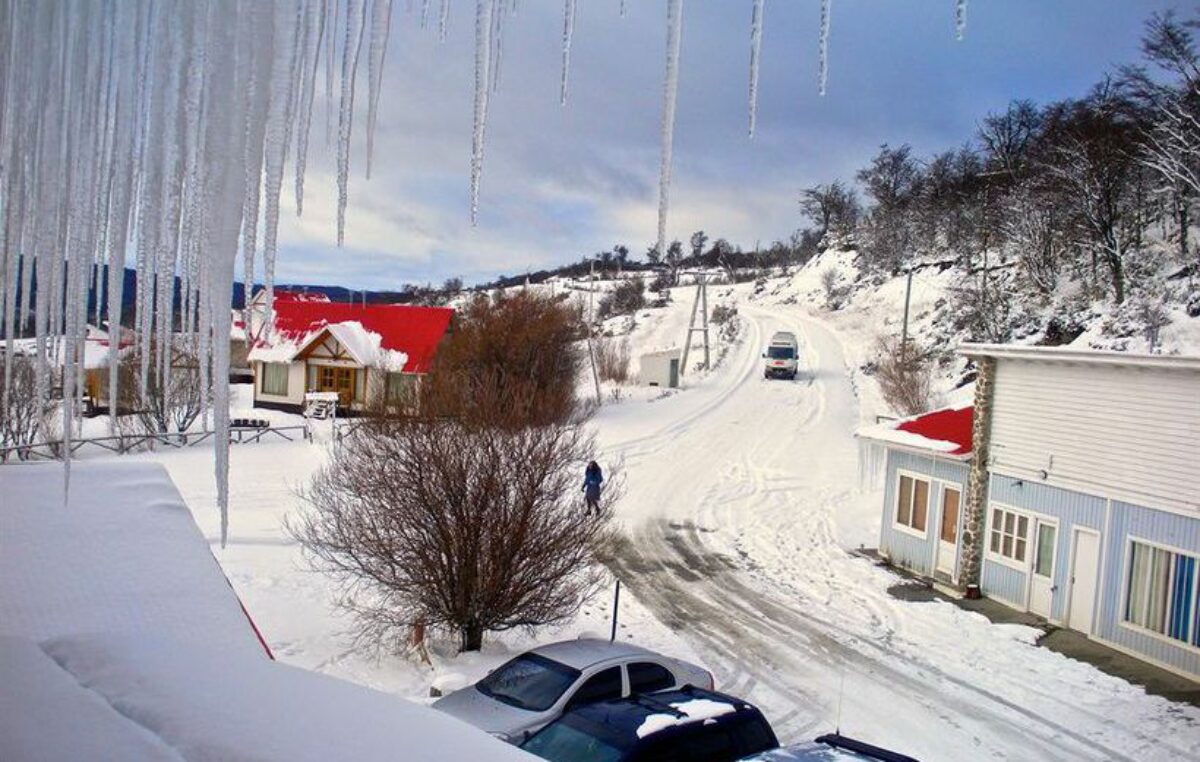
<point x="833" y="747"/>
<point x="686" y="725"/>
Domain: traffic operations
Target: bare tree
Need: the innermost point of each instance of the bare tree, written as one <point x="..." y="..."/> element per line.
<point x="173" y="396"/>
<point x="1172" y="140"/>
<point x="526" y="342"/>
<point x="456" y="524"/>
<point x="833" y="208"/>
<point x="612" y="359"/>
<point x="21" y="412"/>
<point x="905" y="376"/>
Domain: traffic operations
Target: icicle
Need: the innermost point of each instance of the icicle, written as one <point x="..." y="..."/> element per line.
<point x="313" y="49"/>
<point x="823" y="48"/>
<point x="622" y="8"/>
<point x="497" y="45"/>
<point x="381" y="20"/>
<point x="355" y="20"/>
<point x="670" y="88"/>
<point x="424" y="13"/>
<point x="483" y="55"/>
<point x="444" y="20"/>
<point x="756" y="20"/>
<point x="331" y="33"/>
<point x="960" y="19"/>
<point x="284" y="73"/>
<point x="568" y="33"/>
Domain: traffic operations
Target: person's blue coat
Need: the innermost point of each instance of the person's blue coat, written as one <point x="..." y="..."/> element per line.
<point x="592" y="480"/>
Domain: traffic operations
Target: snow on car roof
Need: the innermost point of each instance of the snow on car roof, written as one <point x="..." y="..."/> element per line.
<point x="584" y="652"/>
<point x="692" y="710"/>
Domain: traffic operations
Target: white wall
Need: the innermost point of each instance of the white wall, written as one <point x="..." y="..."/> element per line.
<point x="1120" y="431"/>
<point x="295" y="395"/>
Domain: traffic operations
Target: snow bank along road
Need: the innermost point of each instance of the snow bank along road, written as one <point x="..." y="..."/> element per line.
<point x="741" y="495"/>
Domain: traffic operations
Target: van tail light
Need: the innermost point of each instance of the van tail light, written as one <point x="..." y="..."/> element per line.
<point x="712" y="683"/>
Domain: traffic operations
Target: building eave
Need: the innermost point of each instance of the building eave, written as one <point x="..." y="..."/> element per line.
<point x="1079" y="355"/>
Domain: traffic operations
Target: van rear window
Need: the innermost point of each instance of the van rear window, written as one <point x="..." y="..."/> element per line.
<point x="781" y="353"/>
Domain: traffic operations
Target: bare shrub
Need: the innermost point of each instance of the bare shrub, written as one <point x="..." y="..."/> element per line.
<point x="628" y="297"/>
<point x="456" y="524"/>
<point x="22" y="415"/>
<point x="723" y="313"/>
<point x="612" y="360"/>
<point x="523" y="349"/>
<point x="172" y="400"/>
<point x="905" y="376"/>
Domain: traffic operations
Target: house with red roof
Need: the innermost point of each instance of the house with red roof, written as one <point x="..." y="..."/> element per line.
<point x="1069" y="489"/>
<point x="361" y="352"/>
<point x="926" y="460"/>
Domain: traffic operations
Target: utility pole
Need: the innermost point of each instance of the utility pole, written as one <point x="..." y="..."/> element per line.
<point x="616" y="603"/>
<point x="591" y="319"/>
<point x="907" y="297"/>
<point x="700" y="301"/>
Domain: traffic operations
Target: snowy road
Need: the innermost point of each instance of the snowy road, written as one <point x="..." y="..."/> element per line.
<point x="742" y="494"/>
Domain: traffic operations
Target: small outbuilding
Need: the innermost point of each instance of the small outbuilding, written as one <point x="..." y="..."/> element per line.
<point x="660" y="368"/>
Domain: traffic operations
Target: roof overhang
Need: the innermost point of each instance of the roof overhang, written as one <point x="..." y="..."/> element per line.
<point x="1079" y="355"/>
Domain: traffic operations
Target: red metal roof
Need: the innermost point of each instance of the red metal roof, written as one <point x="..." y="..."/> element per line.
<point x="415" y="331"/>
<point x="944" y="426"/>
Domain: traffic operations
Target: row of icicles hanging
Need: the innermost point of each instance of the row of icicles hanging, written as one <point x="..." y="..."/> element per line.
<point x="158" y="132"/>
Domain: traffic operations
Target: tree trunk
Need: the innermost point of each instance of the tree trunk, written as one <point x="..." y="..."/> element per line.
<point x="471" y="637"/>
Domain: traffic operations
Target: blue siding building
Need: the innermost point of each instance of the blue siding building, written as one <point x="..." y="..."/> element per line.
<point x="1087" y="510"/>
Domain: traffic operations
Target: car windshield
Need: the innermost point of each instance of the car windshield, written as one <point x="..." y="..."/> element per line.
<point x="561" y="742"/>
<point x="528" y="682"/>
<point x="780" y="353"/>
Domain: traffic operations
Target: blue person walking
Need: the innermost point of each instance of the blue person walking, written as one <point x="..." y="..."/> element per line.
<point x="593" y="477"/>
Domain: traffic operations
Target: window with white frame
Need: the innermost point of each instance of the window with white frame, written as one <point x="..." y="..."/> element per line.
<point x="912" y="502"/>
<point x="1161" y="592"/>
<point x="1009" y="534"/>
<point x="275" y="378"/>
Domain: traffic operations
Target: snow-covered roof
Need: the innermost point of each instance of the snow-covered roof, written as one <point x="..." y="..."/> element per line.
<point x="396" y="337"/>
<point x="95" y="348"/>
<point x="139" y="697"/>
<point x="121" y="638"/>
<point x="946" y="432"/>
<point x="122" y="556"/>
<point x="1080" y="355"/>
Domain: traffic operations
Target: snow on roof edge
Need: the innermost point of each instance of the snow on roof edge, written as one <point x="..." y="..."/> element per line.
<point x="1078" y="354"/>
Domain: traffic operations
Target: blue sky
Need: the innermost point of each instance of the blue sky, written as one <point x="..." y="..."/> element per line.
<point x="562" y="182"/>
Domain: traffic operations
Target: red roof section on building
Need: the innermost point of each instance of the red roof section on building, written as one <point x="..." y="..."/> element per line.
<point x="415" y="331"/>
<point x="952" y="426"/>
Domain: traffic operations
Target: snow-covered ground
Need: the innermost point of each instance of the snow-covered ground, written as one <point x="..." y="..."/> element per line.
<point x="742" y="498"/>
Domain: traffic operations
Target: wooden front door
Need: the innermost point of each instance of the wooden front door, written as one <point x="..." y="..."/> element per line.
<point x="947" y="549"/>
<point x="340" y="380"/>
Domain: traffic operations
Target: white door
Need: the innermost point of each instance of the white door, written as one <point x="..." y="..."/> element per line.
<point x="1041" y="577"/>
<point x="947" y="552"/>
<point x="1085" y="563"/>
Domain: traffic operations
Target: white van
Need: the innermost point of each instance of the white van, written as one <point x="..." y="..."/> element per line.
<point x="782" y="356"/>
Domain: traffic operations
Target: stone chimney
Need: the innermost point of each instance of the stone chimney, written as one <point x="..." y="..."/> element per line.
<point x="977" y="485"/>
